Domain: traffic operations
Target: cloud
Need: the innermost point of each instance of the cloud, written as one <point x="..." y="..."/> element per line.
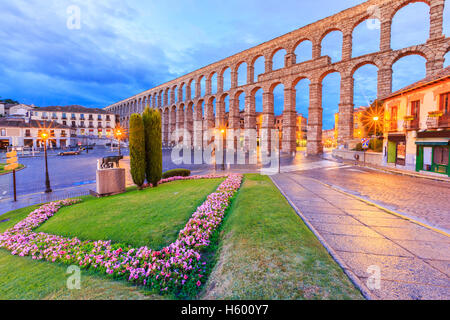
<point x="124" y="48"/>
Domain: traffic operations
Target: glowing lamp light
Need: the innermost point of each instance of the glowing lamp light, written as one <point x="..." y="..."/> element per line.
<point x="376" y="118"/>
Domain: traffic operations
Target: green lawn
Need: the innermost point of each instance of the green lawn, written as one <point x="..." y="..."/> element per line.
<point x="264" y="250"/>
<point x="2" y="168"/>
<point x="24" y="279"/>
<point x="267" y="252"/>
<point x="151" y="217"/>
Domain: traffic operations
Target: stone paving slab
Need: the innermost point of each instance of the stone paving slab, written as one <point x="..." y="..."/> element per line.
<point x="397" y="290"/>
<point x="396" y="268"/>
<point x="411" y="232"/>
<point x="414" y="261"/>
<point x="348" y="230"/>
<point x="366" y="245"/>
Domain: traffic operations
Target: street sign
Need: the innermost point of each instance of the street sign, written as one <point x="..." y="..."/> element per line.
<point x="11" y="154"/>
<point x="11" y="160"/>
<point x="365" y="143"/>
<point x="12" y="166"/>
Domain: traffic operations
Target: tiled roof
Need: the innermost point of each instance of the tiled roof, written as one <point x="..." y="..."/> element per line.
<point x="20" y="123"/>
<point x="74" y="109"/>
<point x="444" y="73"/>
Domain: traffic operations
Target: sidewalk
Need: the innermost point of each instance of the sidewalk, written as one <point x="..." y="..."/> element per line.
<point x="8" y="204"/>
<point x="414" y="261"/>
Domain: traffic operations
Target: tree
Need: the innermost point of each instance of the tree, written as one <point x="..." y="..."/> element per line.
<point x="137" y="149"/>
<point x="153" y="145"/>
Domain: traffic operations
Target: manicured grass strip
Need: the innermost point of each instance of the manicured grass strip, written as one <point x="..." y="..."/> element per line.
<point x="3" y="171"/>
<point x="152" y="217"/>
<point x="267" y="252"/>
<point x="25" y="279"/>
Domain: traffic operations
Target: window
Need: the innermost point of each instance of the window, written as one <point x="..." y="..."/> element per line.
<point x="415" y="109"/>
<point x="27" y="133"/>
<point x="64" y="116"/>
<point x="445" y="103"/>
<point x="82" y="116"/>
<point x="441" y="156"/>
<point x="54" y="115"/>
<point x="99" y="117"/>
<point x="393" y="121"/>
<point x="3" y="132"/>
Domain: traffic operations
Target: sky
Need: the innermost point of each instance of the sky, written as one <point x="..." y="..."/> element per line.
<point x="125" y="47"/>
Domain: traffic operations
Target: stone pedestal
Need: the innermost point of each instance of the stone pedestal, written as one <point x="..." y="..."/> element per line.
<point x="110" y="181"/>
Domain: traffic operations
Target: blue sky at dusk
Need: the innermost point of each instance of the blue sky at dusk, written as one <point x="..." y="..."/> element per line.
<point x="124" y="48"/>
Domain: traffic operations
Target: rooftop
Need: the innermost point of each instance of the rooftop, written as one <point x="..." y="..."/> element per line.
<point x="74" y="109"/>
<point x="441" y="75"/>
<point x="21" y="123"/>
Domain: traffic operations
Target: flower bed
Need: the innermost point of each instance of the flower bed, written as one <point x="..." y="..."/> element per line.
<point x="177" y="268"/>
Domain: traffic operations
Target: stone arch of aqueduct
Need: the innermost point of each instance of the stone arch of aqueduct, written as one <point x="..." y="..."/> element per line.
<point x="193" y="115"/>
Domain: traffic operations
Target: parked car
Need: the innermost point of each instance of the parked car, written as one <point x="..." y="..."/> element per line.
<point x="69" y="153"/>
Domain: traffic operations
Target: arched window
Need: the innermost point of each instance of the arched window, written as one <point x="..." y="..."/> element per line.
<point x="227" y="79"/>
<point x="331" y="87"/>
<point x="302" y="97"/>
<point x="332" y="46"/>
<point x="242" y="74"/>
<point x="366" y="38"/>
<point x="278" y="99"/>
<point x="447" y="60"/>
<point x="259" y="67"/>
<point x="365" y="85"/>
<point x="278" y="59"/>
<point x="410" y="26"/>
<point x="214" y="83"/>
<point x="303" y="51"/>
<point x="408" y="70"/>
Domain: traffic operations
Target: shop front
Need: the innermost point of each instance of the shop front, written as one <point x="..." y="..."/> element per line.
<point x="396" y="149"/>
<point x="433" y="152"/>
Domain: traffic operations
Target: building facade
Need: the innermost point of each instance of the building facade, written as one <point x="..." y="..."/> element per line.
<point x="417" y="125"/>
<point x="87" y="122"/>
<point x="22" y="132"/>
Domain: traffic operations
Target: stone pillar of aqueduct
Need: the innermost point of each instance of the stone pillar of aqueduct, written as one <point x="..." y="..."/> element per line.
<point x="186" y="110"/>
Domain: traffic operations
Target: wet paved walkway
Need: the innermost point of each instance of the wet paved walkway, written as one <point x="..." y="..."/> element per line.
<point x="414" y="262"/>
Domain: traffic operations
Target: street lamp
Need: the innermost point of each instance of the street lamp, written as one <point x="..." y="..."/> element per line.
<point x="118" y="134"/>
<point x="44" y="137"/>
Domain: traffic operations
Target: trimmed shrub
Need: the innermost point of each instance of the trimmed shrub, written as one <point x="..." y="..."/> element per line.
<point x="176" y="173"/>
<point x="137" y="149"/>
<point x="376" y="145"/>
<point x="153" y="145"/>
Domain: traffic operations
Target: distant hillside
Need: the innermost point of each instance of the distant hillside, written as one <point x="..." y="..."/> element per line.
<point x="8" y="101"/>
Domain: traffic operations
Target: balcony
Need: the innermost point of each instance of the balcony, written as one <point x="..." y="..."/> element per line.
<point x="392" y="125"/>
<point x="411" y="123"/>
<point x="444" y="121"/>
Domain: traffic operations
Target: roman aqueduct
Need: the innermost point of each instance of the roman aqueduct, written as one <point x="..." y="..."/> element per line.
<point x="184" y="108"/>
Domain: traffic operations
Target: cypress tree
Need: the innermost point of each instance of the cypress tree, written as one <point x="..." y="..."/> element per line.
<point x="137" y="149"/>
<point x="153" y="145"/>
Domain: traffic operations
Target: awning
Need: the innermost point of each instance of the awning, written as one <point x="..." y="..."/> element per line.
<point x="433" y="142"/>
<point x="397" y="138"/>
<point x="423" y="143"/>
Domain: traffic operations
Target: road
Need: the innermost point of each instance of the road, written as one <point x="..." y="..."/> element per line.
<point x="422" y="199"/>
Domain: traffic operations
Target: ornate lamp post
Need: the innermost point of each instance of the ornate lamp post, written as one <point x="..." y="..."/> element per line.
<point x="44" y="138"/>
<point x="118" y="134"/>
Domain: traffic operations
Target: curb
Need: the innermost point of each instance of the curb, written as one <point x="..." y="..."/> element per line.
<point x="397" y="214"/>
<point x="353" y="278"/>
